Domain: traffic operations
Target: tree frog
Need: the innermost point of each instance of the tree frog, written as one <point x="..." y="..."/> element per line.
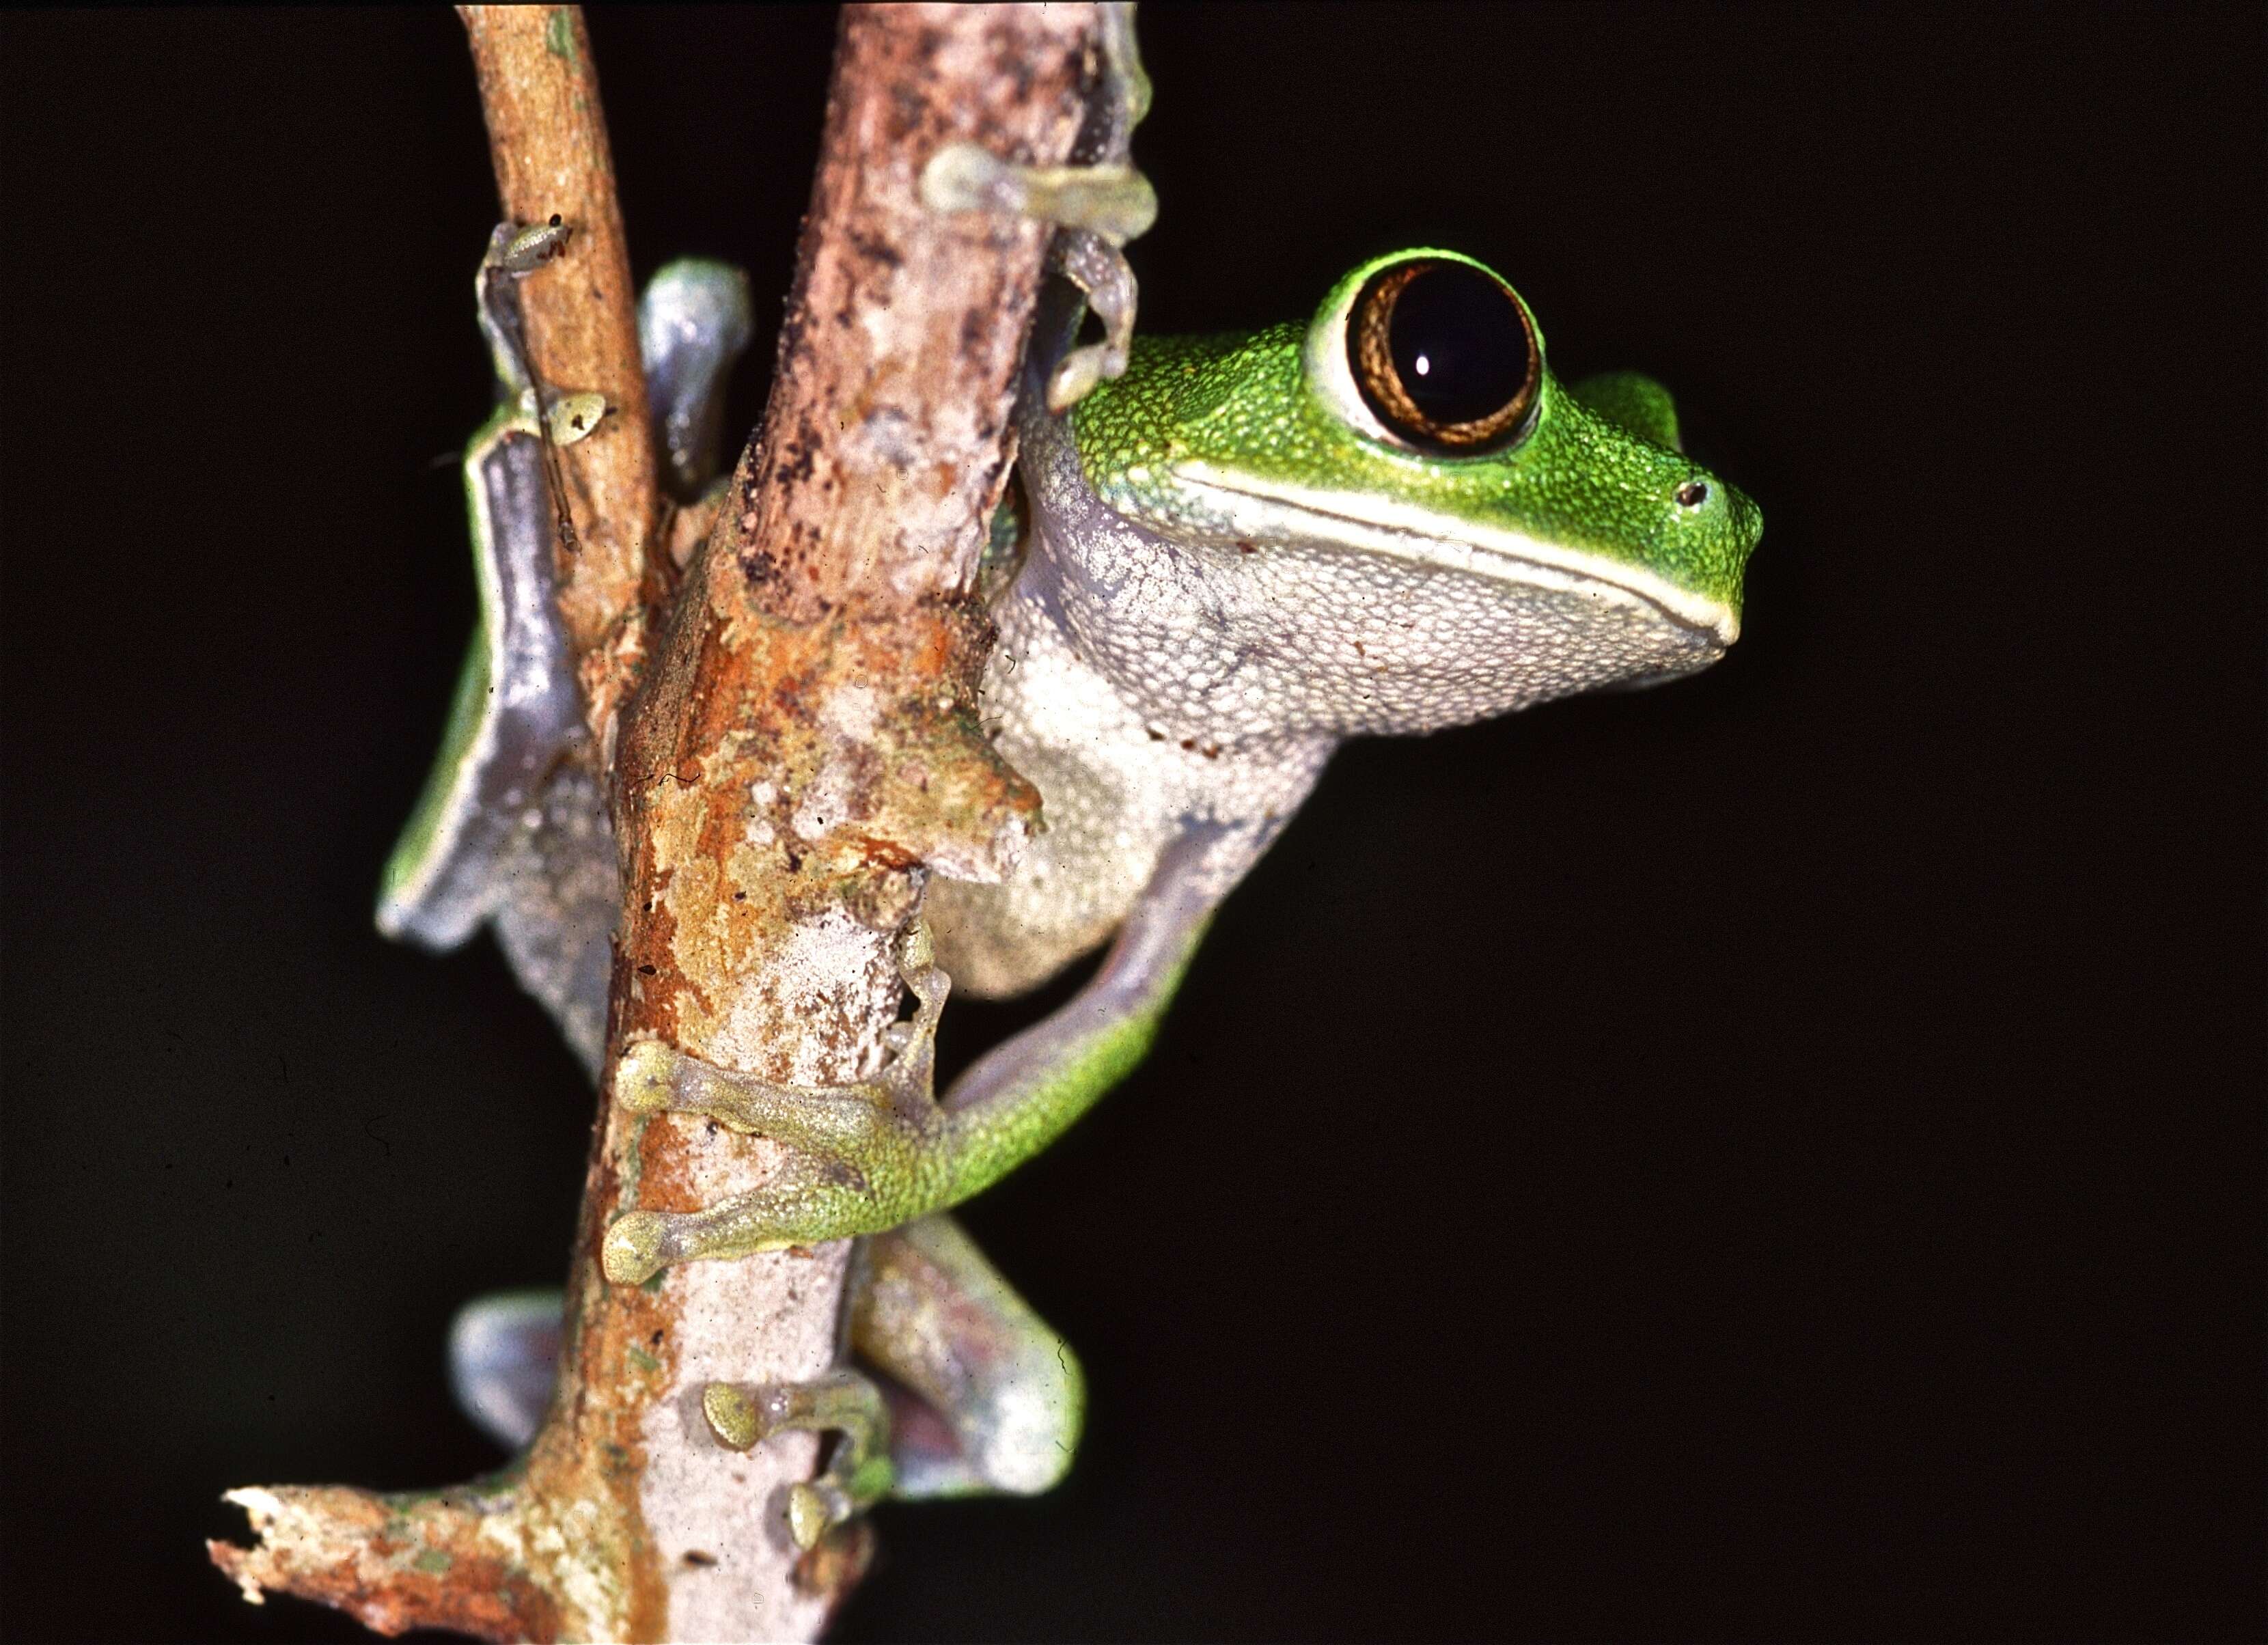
<point x="1388" y="518"/>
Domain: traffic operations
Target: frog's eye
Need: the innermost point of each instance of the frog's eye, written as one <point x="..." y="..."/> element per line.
<point x="1444" y="356"/>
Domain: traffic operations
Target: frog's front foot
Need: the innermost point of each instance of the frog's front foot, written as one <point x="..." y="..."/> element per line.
<point x="844" y="1402"/>
<point x="1111" y="199"/>
<point x="1099" y="206"/>
<point x="1099" y="268"/>
<point x="860" y="1157"/>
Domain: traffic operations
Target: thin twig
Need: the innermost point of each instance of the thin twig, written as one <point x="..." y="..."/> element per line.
<point x="547" y="141"/>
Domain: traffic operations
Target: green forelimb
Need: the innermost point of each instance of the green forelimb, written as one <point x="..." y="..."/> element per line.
<point x="877" y="1155"/>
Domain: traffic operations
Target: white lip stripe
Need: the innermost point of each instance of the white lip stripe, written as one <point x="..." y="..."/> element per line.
<point x="1394" y="525"/>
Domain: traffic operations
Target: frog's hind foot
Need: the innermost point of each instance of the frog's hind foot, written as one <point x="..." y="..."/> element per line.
<point x="842" y="1403"/>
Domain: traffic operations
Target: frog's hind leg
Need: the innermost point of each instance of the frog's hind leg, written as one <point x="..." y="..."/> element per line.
<point x="975" y="1393"/>
<point x="984" y="1396"/>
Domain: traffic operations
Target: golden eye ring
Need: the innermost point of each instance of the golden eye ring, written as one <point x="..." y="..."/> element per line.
<point x="1444" y="355"/>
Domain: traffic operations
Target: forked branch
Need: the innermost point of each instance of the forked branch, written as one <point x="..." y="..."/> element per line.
<point x="805" y="743"/>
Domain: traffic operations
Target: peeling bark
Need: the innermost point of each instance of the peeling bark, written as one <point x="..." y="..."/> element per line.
<point x="805" y="751"/>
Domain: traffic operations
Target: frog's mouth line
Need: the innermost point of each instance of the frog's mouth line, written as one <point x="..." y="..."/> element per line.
<point x="1384" y="527"/>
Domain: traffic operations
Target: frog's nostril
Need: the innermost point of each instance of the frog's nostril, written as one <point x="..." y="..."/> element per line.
<point x="1692" y="494"/>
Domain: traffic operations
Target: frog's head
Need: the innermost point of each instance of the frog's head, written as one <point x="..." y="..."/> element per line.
<point x="1405" y="470"/>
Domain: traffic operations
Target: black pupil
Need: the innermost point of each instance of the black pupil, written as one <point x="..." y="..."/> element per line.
<point x="1458" y="343"/>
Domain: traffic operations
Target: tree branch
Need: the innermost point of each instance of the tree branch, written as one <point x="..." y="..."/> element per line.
<point x="805" y="749"/>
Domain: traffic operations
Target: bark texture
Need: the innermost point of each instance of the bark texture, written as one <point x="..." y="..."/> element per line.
<point x="805" y="751"/>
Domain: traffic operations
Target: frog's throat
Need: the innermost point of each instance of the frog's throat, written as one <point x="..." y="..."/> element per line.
<point x="1382" y="526"/>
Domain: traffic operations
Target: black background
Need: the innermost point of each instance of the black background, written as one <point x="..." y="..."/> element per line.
<point x="1773" y="1157"/>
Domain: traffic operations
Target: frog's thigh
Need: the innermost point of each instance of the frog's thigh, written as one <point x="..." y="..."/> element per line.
<point x="935" y="1316"/>
<point x="504" y="1360"/>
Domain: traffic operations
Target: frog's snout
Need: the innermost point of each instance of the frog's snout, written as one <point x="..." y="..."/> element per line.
<point x="1712" y="530"/>
<point x="1744" y="530"/>
<point x="1747" y="524"/>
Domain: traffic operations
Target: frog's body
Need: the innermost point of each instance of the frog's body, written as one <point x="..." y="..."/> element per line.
<point x="1222" y="581"/>
<point x="1237" y="554"/>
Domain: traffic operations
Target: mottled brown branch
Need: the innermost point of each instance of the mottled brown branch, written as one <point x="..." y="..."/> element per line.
<point x="805" y="751"/>
<point x="547" y="141"/>
<point x="806" y="738"/>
